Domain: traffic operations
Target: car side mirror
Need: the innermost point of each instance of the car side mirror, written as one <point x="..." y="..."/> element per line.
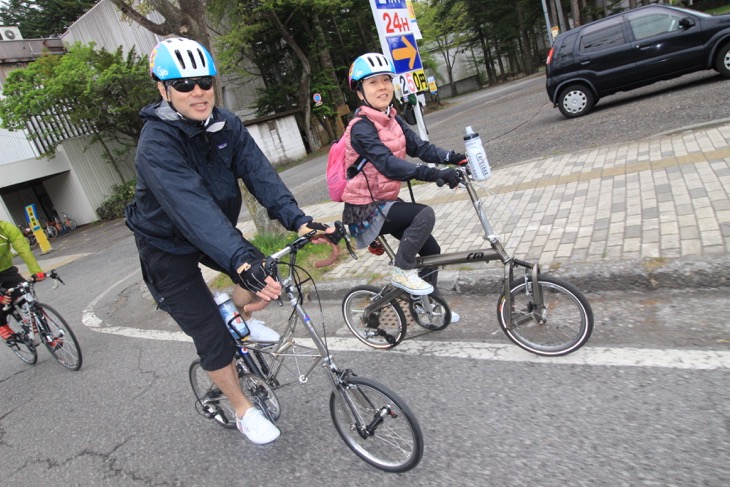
<point x="686" y="23"/>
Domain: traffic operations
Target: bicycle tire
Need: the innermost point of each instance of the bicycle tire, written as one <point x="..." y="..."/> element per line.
<point x="72" y="225"/>
<point x="52" y="232"/>
<point x="438" y="319"/>
<point x="214" y="404"/>
<point x="396" y="444"/>
<point x="391" y="322"/>
<point x="569" y="319"/>
<point x="57" y="336"/>
<point x="22" y="345"/>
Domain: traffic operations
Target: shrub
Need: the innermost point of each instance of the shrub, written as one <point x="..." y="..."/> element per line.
<point x="113" y="206"/>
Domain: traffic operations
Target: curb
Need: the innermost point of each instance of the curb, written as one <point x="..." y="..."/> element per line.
<point x="630" y="275"/>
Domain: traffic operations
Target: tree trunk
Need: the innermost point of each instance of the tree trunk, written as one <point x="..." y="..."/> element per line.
<point x="525" y="42"/>
<point x="575" y="8"/>
<point x="304" y="80"/>
<point x="259" y="215"/>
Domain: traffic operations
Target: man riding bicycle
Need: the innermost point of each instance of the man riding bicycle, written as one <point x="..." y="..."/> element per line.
<point x="11" y="236"/>
<point x="189" y="159"/>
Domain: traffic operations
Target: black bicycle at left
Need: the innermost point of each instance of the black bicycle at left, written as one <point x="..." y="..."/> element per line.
<point x="34" y="322"/>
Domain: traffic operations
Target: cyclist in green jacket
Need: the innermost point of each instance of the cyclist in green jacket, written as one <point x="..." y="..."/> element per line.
<point x="11" y="236"/>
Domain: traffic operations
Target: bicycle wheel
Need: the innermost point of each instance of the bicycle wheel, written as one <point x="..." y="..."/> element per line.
<point x="562" y="327"/>
<point x="21" y="344"/>
<point x="57" y="336"/>
<point x="212" y="403"/>
<point x="376" y="424"/>
<point x="385" y="328"/>
<point x="51" y="231"/>
<point x="439" y="317"/>
<point x="71" y="225"/>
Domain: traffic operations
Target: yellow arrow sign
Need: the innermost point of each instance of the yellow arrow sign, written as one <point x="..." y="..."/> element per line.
<point x="409" y="52"/>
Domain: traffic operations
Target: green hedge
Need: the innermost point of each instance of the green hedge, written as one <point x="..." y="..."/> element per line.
<point x="113" y="207"/>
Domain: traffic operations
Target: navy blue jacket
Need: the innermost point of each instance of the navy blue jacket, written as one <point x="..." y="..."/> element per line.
<point x="187" y="198"/>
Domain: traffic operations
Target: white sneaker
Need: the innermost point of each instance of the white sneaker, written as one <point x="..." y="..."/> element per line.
<point x="455" y="316"/>
<point x="257" y="428"/>
<point x="410" y="282"/>
<point x="259" y="332"/>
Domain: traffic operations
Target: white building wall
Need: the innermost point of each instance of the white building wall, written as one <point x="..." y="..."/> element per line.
<point x="279" y="139"/>
<point x="105" y="26"/>
<point x="14" y="146"/>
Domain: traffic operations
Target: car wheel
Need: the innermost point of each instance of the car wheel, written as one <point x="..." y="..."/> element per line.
<point x="722" y="61"/>
<point x="575" y="101"/>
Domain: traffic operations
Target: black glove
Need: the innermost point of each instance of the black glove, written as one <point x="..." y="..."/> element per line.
<point x="450" y="176"/>
<point x="455" y="158"/>
<point x="253" y="276"/>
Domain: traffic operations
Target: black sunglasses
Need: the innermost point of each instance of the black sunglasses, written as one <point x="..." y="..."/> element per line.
<point x="186" y="85"/>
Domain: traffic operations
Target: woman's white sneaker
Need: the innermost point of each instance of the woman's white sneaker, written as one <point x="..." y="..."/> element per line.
<point x="409" y="281"/>
<point x="257" y="428"/>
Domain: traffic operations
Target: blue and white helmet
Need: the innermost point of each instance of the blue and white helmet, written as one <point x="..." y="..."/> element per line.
<point x="367" y="65"/>
<point x="180" y="58"/>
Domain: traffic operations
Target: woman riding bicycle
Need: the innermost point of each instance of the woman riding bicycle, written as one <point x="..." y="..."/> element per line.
<point x="10" y="235"/>
<point x="372" y="207"/>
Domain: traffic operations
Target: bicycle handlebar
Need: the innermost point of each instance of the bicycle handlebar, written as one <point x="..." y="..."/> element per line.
<point x="462" y="177"/>
<point x="33" y="279"/>
<point x="332" y="239"/>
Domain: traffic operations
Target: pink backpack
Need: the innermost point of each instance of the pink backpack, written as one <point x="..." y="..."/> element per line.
<point x="338" y="172"/>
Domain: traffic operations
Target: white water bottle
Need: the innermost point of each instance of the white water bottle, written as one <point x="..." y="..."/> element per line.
<point x="231" y="316"/>
<point x="478" y="162"/>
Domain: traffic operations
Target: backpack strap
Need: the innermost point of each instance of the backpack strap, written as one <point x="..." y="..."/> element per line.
<point x="356" y="167"/>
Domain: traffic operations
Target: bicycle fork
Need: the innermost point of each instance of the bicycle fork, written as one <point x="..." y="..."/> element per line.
<point x="347" y="391"/>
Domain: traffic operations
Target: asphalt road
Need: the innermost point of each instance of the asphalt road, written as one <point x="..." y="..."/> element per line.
<point x="646" y="402"/>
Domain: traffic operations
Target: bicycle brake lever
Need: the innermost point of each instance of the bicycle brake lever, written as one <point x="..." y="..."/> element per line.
<point x="342" y="233"/>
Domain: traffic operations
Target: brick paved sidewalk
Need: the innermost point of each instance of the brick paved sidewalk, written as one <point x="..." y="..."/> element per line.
<point x="659" y="198"/>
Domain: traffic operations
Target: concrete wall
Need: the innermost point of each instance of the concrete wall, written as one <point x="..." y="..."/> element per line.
<point x="278" y="138"/>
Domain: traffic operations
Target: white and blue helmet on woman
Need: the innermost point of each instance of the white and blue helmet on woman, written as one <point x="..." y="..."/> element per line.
<point x="367" y="65"/>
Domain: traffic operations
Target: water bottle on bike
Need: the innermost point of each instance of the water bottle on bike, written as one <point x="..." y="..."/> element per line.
<point x="236" y="325"/>
<point x="478" y="162"/>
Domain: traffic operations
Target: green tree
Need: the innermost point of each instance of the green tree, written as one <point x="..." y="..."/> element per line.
<point x="45" y="18"/>
<point x="84" y="91"/>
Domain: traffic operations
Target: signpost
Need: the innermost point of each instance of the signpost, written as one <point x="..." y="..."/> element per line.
<point x="395" y="20"/>
<point x="35" y="225"/>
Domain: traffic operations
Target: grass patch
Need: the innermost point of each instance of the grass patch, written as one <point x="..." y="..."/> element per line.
<point x="306" y="257"/>
<point x="719" y="10"/>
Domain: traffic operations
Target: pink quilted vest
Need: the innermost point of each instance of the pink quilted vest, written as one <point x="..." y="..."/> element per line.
<point x="382" y="188"/>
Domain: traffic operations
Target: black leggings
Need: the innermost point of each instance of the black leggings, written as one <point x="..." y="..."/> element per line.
<point x="412" y="224"/>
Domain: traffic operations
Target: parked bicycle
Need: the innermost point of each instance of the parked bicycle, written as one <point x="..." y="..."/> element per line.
<point x="58" y="226"/>
<point x="372" y="420"/>
<point x="540" y="313"/>
<point x="35" y="322"/>
<point x="51" y="230"/>
<point x="29" y="235"/>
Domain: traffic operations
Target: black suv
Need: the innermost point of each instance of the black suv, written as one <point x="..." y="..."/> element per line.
<point x="633" y="49"/>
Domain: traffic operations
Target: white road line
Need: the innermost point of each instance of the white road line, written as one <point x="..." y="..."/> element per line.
<point x="597" y="356"/>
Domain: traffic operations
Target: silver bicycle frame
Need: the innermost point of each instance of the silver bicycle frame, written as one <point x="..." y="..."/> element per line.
<point x="496" y="252"/>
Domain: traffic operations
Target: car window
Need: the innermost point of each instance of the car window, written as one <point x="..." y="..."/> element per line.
<point x="651" y="24"/>
<point x="603" y="35"/>
<point x="566" y="45"/>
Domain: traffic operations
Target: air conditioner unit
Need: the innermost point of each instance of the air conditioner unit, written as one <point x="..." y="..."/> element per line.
<point x="10" y="33"/>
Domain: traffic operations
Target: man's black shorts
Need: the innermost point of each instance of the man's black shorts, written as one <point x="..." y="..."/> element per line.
<point x="178" y="287"/>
